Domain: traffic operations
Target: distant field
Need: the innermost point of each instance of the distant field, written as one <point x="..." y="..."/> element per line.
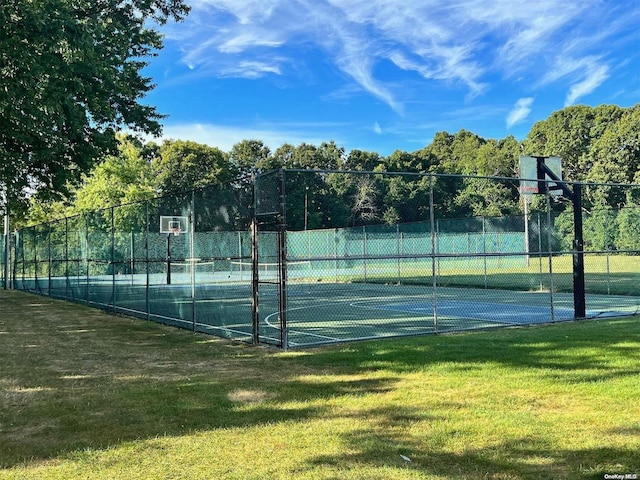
<point x="88" y="395"/>
<point x="616" y="275"/>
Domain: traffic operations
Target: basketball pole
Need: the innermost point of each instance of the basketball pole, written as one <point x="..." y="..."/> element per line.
<point x="6" y="250"/>
<point x="168" y="259"/>
<point x="5" y="253"/>
<point x="575" y="195"/>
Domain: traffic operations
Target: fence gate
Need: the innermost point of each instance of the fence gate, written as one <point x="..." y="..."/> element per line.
<point x="269" y="251"/>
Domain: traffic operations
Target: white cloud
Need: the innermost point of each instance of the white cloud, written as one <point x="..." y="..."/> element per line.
<point x="225" y="137"/>
<point x="584" y="75"/>
<point x="246" y="11"/>
<point x="459" y="43"/>
<point x="376" y="128"/>
<point x="520" y="111"/>
<point x="595" y="77"/>
<point x="246" y="41"/>
<point x="249" y="69"/>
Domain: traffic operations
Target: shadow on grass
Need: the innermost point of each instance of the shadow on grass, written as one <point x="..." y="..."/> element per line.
<point x="586" y="351"/>
<point x="528" y="458"/>
<point x="75" y="378"/>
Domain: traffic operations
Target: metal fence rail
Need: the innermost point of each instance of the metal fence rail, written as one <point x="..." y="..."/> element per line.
<point x="320" y="257"/>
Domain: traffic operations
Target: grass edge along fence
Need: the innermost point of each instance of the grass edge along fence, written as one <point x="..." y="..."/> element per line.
<point x="302" y="268"/>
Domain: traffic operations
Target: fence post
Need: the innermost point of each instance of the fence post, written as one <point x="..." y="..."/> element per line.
<point x="540" y="251"/>
<point x="484" y="252"/>
<point x="550" y="253"/>
<point x="192" y="254"/>
<point x="434" y="272"/>
<point x="113" y="260"/>
<point x="66" y="259"/>
<point x="87" y="259"/>
<point x="364" y="250"/>
<point x="49" y="255"/>
<point x="282" y="262"/>
<point x="132" y="265"/>
<point x="437" y="246"/>
<point x="255" y="317"/>
<point x="5" y="253"/>
<point x="526" y="200"/>
<point x="146" y="248"/>
<point x="21" y="238"/>
<point x="13" y="259"/>
<point x="35" y="260"/>
<point x="398" y="250"/>
<point x="607" y="250"/>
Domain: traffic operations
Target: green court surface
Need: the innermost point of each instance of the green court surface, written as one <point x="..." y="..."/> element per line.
<point x="326" y="313"/>
<point x="323" y="312"/>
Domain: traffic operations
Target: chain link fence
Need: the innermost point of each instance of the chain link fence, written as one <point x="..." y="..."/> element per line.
<point x="117" y="259"/>
<point x="369" y="255"/>
<point x="305" y="258"/>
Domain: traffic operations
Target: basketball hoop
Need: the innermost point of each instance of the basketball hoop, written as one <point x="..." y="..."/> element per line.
<point x="174" y="225"/>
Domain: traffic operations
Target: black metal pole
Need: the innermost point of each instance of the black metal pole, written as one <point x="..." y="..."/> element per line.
<point x="5" y="250"/>
<point x="282" y="263"/>
<point x="255" y="280"/>
<point x="113" y="261"/>
<point x="579" y="302"/>
<point x="169" y="259"/>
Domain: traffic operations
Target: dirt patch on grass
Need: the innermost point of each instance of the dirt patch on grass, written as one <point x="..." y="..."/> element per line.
<point x="249" y="396"/>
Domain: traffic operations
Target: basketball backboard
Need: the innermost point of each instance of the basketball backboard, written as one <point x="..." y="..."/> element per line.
<point x="174" y="224"/>
<point x="529" y="174"/>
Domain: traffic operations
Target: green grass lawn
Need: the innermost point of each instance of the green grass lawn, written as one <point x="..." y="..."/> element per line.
<point x="88" y="395"/>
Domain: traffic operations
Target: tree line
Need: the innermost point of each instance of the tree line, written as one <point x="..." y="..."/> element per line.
<point x="600" y="145"/>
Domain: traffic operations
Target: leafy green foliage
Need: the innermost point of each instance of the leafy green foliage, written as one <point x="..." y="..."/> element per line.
<point x="70" y="79"/>
<point x="616" y="155"/>
<point x="598" y="144"/>
<point x="123" y="179"/>
<point x="628" y="223"/>
<point x="184" y="165"/>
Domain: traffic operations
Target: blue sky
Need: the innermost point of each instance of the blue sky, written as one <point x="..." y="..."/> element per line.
<point x="384" y="75"/>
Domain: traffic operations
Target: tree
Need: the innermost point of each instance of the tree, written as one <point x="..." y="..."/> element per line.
<point x="615" y="157"/>
<point x="249" y="155"/>
<point x="628" y="224"/>
<point x="365" y="208"/>
<point x="71" y="78"/>
<point x="363" y="161"/>
<point x="566" y="134"/>
<point x="185" y="165"/>
<point x="407" y="199"/>
<point x="570" y="133"/>
<point x="124" y="179"/>
<point x="328" y="156"/>
<point x="401" y="161"/>
<point x="497" y="158"/>
<point x="357" y="197"/>
<point x="487" y="197"/>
